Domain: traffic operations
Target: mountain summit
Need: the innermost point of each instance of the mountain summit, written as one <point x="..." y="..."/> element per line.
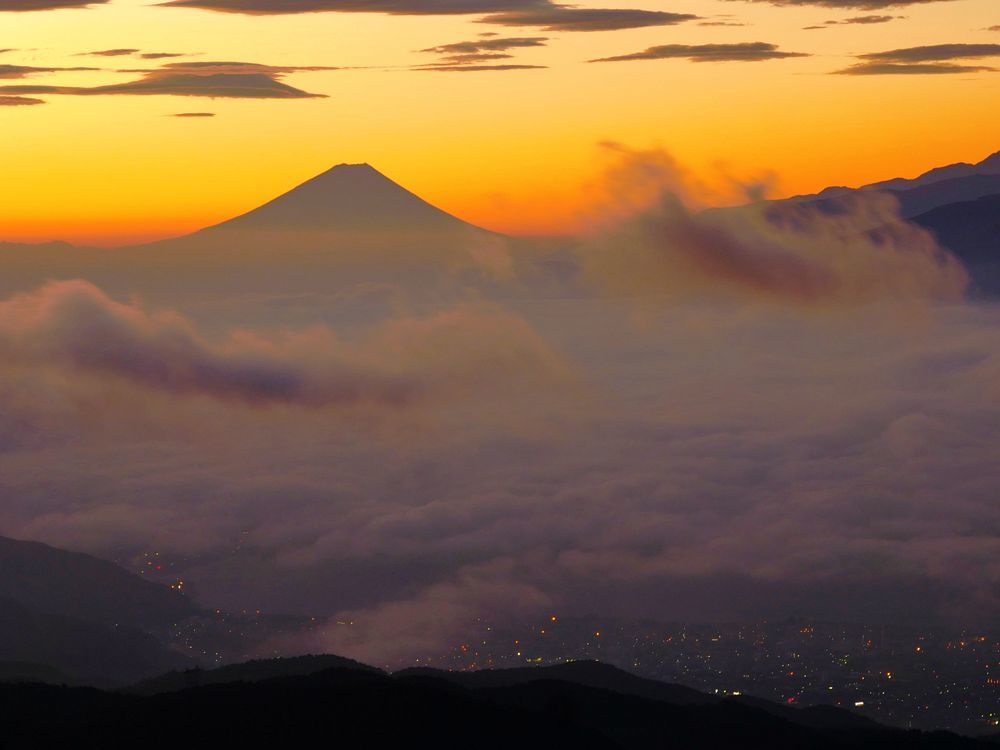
<point x="348" y="197"/>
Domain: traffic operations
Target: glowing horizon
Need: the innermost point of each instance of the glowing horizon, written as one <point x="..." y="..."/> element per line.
<point x="509" y="150"/>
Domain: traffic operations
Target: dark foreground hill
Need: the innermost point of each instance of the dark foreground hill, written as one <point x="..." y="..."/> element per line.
<point x="362" y="707"/>
<point x="595" y="674"/>
<point x="587" y="673"/>
<point x="257" y="670"/>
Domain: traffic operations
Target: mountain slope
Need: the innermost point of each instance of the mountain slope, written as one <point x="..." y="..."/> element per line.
<point x="82" y="651"/>
<point x="971" y="230"/>
<point x="593" y="674"/>
<point x="71" y="584"/>
<point x="918" y="200"/>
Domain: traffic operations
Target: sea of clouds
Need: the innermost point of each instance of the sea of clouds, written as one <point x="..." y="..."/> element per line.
<point x="724" y="414"/>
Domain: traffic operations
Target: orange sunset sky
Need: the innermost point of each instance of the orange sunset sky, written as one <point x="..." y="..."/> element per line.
<point x="510" y="149"/>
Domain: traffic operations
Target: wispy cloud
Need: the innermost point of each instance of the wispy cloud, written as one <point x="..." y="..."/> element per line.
<point x="132" y="52"/>
<point x="23" y="71"/>
<point x="211" y="79"/>
<point x="488" y="47"/>
<point x="571" y="18"/>
<point x="194" y="114"/>
<point x="30" y="5"/>
<point x="935" y="52"/>
<point x="743" y="52"/>
<point x="934" y="59"/>
<point x="479" y="54"/>
<point x="391" y="7"/>
<point x="854" y="21"/>
<point x="464" y="68"/>
<point x="845" y="4"/>
<point x="538" y="13"/>
<point x="120" y="52"/>
<point x="18" y="101"/>
<point x="878" y="69"/>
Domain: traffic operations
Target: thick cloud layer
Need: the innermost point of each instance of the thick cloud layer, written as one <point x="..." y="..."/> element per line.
<point x="75" y="328"/>
<point x="752" y="413"/>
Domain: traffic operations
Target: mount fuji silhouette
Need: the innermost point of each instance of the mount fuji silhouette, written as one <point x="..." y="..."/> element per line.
<point x="348" y="197"/>
<point x="349" y="225"/>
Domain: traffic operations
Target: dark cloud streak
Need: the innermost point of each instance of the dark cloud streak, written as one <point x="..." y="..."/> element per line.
<point x="744" y="52"/>
<point x="472" y="55"/>
<point x="33" y="5"/>
<point x="567" y="18"/>
<point x="935" y="53"/>
<point x="210" y="79"/>
<point x="934" y="59"/>
<point x="23" y="71"/>
<point x="879" y="69"/>
<point x="845" y="4"/>
<point x="18" y="101"/>
<point x="538" y="13"/>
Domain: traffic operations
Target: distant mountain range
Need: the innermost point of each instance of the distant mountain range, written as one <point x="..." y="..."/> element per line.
<point x="288" y="704"/>
<point x="988" y="166"/>
<point x="959" y="204"/>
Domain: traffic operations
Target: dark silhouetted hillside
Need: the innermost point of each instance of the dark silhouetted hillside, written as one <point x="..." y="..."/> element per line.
<point x="21" y="671"/>
<point x="919" y="200"/>
<point x="587" y="673"/>
<point x="80" y="651"/>
<point x="56" y="582"/>
<point x="251" y="671"/>
<point x="594" y="674"/>
<point x="818" y="717"/>
<point x="363" y="708"/>
<point x="989" y="165"/>
<point x="971" y="230"/>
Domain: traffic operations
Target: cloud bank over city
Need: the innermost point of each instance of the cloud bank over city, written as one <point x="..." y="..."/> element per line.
<point x="737" y="414"/>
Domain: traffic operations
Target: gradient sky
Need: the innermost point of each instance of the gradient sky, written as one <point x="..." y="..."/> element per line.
<point x="513" y="150"/>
